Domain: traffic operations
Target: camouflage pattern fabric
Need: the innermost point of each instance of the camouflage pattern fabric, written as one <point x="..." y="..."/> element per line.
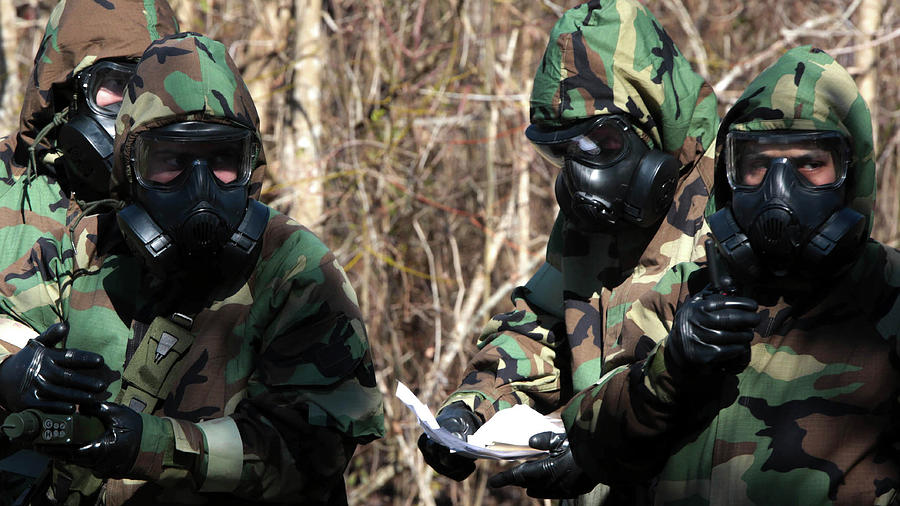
<point x="604" y="57"/>
<point x="278" y="388"/>
<point x="812" y="419"/>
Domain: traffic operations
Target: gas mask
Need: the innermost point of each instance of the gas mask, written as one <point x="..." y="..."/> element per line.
<point x="787" y="215"/>
<point x="609" y="177"/>
<point x="191" y="209"/>
<point x="86" y="139"/>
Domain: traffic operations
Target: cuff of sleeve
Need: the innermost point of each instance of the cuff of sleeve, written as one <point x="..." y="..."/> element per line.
<point x="656" y="377"/>
<point x="224" y="454"/>
<point x="157" y="448"/>
<point x="476" y="401"/>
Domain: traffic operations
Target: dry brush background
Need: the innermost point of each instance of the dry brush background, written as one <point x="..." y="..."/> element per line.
<point x="394" y="130"/>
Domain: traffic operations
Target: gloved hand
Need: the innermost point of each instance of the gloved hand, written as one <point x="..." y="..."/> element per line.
<point x="711" y="336"/>
<point x="48" y="379"/>
<point x="114" y="453"/>
<point x="556" y="476"/>
<point x="462" y="422"/>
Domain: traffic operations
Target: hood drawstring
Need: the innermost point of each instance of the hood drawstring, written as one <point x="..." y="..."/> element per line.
<point x="87" y="208"/>
<point x="31" y="168"/>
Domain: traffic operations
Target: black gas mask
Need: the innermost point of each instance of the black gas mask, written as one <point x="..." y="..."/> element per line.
<point x="787" y="215"/>
<point x="86" y="139"/>
<point x="191" y="209"/>
<point x="610" y="178"/>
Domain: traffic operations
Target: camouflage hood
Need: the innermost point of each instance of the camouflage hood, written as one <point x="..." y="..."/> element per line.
<point x="613" y="57"/>
<point x="806" y="89"/>
<point x="183" y="77"/>
<point x="79" y="33"/>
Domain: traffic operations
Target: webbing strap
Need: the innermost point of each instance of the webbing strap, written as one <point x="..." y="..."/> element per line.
<point x="155" y="366"/>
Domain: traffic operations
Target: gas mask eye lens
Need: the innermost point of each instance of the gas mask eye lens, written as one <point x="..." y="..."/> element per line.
<point x="752" y="170"/>
<point x="598" y="141"/>
<point x="584" y="145"/>
<point x="109" y="93"/>
<point x="819" y="160"/>
<point x="163" y="166"/>
<point x="104" y="86"/>
<point x="223" y="166"/>
<point x="817" y="167"/>
<point x="163" y="155"/>
<point x="602" y="145"/>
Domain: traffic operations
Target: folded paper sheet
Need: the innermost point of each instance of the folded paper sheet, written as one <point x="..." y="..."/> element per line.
<point x="503" y="437"/>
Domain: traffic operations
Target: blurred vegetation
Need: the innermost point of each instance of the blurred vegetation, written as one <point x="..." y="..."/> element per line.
<point x="425" y="186"/>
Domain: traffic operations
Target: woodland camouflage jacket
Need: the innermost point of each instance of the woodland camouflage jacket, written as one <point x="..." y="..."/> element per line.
<point x="812" y="419"/>
<point x="604" y="57"/>
<point x="34" y="201"/>
<point x="277" y="389"/>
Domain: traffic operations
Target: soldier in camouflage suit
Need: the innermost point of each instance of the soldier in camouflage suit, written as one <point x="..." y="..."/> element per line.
<point x="83" y="38"/>
<point x="794" y="402"/>
<point x="278" y="387"/>
<point x="605" y="57"/>
<point x="37" y="193"/>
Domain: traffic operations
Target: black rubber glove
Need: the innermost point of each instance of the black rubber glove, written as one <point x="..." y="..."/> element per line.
<point x="462" y="422"/>
<point x="48" y="379"/>
<point x="114" y="453"/>
<point x="711" y="336"/>
<point x="556" y="476"/>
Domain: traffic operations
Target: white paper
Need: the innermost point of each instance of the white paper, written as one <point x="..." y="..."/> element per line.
<point x="512" y="429"/>
<point x="15" y="333"/>
<point x="514" y="426"/>
<point x="423" y="414"/>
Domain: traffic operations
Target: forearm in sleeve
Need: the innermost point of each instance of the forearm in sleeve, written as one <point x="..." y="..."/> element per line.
<point x="518" y="362"/>
<point x="271" y="449"/>
<point x="621" y="430"/>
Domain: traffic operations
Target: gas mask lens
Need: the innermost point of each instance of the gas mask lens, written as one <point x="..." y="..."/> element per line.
<point x="103" y="85"/>
<point x="597" y="142"/>
<point x="163" y="159"/>
<point x="819" y="159"/>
